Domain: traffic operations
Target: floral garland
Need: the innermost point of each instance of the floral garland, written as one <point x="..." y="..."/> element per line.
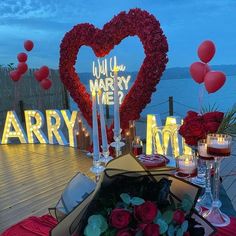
<point x="134" y="23"/>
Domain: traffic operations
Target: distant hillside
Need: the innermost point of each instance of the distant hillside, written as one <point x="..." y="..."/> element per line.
<point x="170" y="73"/>
<point x="183" y="72"/>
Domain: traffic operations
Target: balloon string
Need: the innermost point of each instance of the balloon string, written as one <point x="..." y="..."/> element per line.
<point x="201" y="91"/>
<point x="200" y="97"/>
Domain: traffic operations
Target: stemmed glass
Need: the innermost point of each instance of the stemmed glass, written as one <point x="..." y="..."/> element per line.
<point x="200" y="178"/>
<point x="218" y="146"/>
<point x="206" y="199"/>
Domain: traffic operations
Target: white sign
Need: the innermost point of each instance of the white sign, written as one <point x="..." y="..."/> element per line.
<point x="104" y="81"/>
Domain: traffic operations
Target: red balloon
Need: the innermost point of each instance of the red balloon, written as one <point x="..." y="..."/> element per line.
<point x="214" y="80"/>
<point x="46" y="84"/>
<point x="28" y="45"/>
<point x="198" y="71"/>
<point x="44" y="72"/>
<point x="15" y="75"/>
<point x="22" y="57"/>
<point x="22" y="67"/>
<point x="206" y="51"/>
<point x="38" y="76"/>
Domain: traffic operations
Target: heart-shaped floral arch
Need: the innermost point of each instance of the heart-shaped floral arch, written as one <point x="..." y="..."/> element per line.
<point x="136" y="22"/>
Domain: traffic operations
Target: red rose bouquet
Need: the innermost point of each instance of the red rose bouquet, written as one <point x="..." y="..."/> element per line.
<point x="196" y="126"/>
<point x="145" y="208"/>
<point x="129" y="201"/>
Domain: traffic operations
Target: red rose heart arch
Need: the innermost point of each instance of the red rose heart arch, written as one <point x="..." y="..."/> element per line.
<point x="134" y="23"/>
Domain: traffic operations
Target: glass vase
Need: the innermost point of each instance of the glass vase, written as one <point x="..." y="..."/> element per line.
<point x="218" y="146"/>
<point x="200" y="179"/>
<point x="206" y="199"/>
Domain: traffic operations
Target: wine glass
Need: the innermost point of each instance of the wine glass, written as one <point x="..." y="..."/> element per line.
<point x="206" y="199"/>
<point x="218" y="146"/>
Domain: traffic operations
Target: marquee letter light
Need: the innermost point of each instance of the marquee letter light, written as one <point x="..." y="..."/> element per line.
<point x="186" y="149"/>
<point x="170" y="135"/>
<point x="34" y="121"/>
<point x="54" y="125"/>
<point x="152" y="121"/>
<point x="70" y="123"/>
<point x="13" y="129"/>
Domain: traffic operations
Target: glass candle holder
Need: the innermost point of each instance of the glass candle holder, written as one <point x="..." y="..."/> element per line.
<point x="137" y="146"/>
<point x="218" y="146"/>
<point x="206" y="199"/>
<point x="186" y="166"/>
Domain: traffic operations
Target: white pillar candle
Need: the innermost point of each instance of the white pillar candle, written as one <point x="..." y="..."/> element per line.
<point x="219" y="144"/>
<point x="102" y="121"/>
<point x="187" y="166"/>
<point x="95" y="128"/>
<point x="202" y="150"/>
<point x="116" y="105"/>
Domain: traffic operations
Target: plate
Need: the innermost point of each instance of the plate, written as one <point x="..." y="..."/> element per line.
<point x="153" y="161"/>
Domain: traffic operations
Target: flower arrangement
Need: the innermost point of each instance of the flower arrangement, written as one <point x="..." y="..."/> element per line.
<point x="146" y="208"/>
<point x="196" y="126"/>
<point x="136" y="22"/>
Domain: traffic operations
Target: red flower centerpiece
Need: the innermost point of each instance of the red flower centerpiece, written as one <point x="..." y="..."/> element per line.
<point x="196" y="126"/>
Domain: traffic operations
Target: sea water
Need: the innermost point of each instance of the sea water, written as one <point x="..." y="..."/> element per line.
<point x="187" y="95"/>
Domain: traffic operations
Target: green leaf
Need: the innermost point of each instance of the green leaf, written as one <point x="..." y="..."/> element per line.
<point x="167" y="216"/>
<point x="159" y="216"/>
<point x="125" y="198"/>
<point x="139" y="233"/>
<point x="180" y="232"/>
<point x="171" y="230"/>
<point x="187" y="203"/>
<point x="136" y="201"/>
<point x="91" y="230"/>
<point x="163" y="226"/>
<point x="184" y="226"/>
<point x="98" y="221"/>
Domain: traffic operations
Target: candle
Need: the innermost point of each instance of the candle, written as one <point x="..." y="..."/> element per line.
<point x="218" y="144"/>
<point x="102" y="121"/>
<point x="95" y="128"/>
<point x="132" y="129"/>
<point x="116" y="105"/>
<point x="80" y="134"/>
<point x="187" y="165"/>
<point x="87" y="141"/>
<point x="202" y="151"/>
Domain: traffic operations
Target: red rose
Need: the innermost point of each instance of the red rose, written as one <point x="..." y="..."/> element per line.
<point x="146" y="212"/>
<point x="179" y="217"/>
<point x="186" y="234"/>
<point x="211" y="127"/>
<point x="191" y="141"/>
<point x="120" y="218"/>
<point x="215" y="116"/>
<point x="196" y="129"/>
<point x="125" y="232"/>
<point x="151" y="230"/>
<point x="190" y="116"/>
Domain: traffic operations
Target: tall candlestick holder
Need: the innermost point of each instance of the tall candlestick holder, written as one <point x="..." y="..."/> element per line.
<point x="117" y="144"/>
<point x="105" y="158"/>
<point x="97" y="167"/>
<point x="219" y="147"/>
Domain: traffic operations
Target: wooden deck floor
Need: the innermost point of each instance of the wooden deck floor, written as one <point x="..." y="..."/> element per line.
<point x="32" y="178"/>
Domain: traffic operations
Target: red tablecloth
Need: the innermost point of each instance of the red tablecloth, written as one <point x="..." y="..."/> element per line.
<point x="41" y="226"/>
<point x="32" y="226"/>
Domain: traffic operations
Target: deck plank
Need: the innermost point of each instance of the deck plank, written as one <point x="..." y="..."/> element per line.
<point x="32" y="178"/>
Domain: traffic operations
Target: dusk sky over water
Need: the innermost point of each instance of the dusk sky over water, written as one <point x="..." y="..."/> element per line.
<point x="185" y="23"/>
